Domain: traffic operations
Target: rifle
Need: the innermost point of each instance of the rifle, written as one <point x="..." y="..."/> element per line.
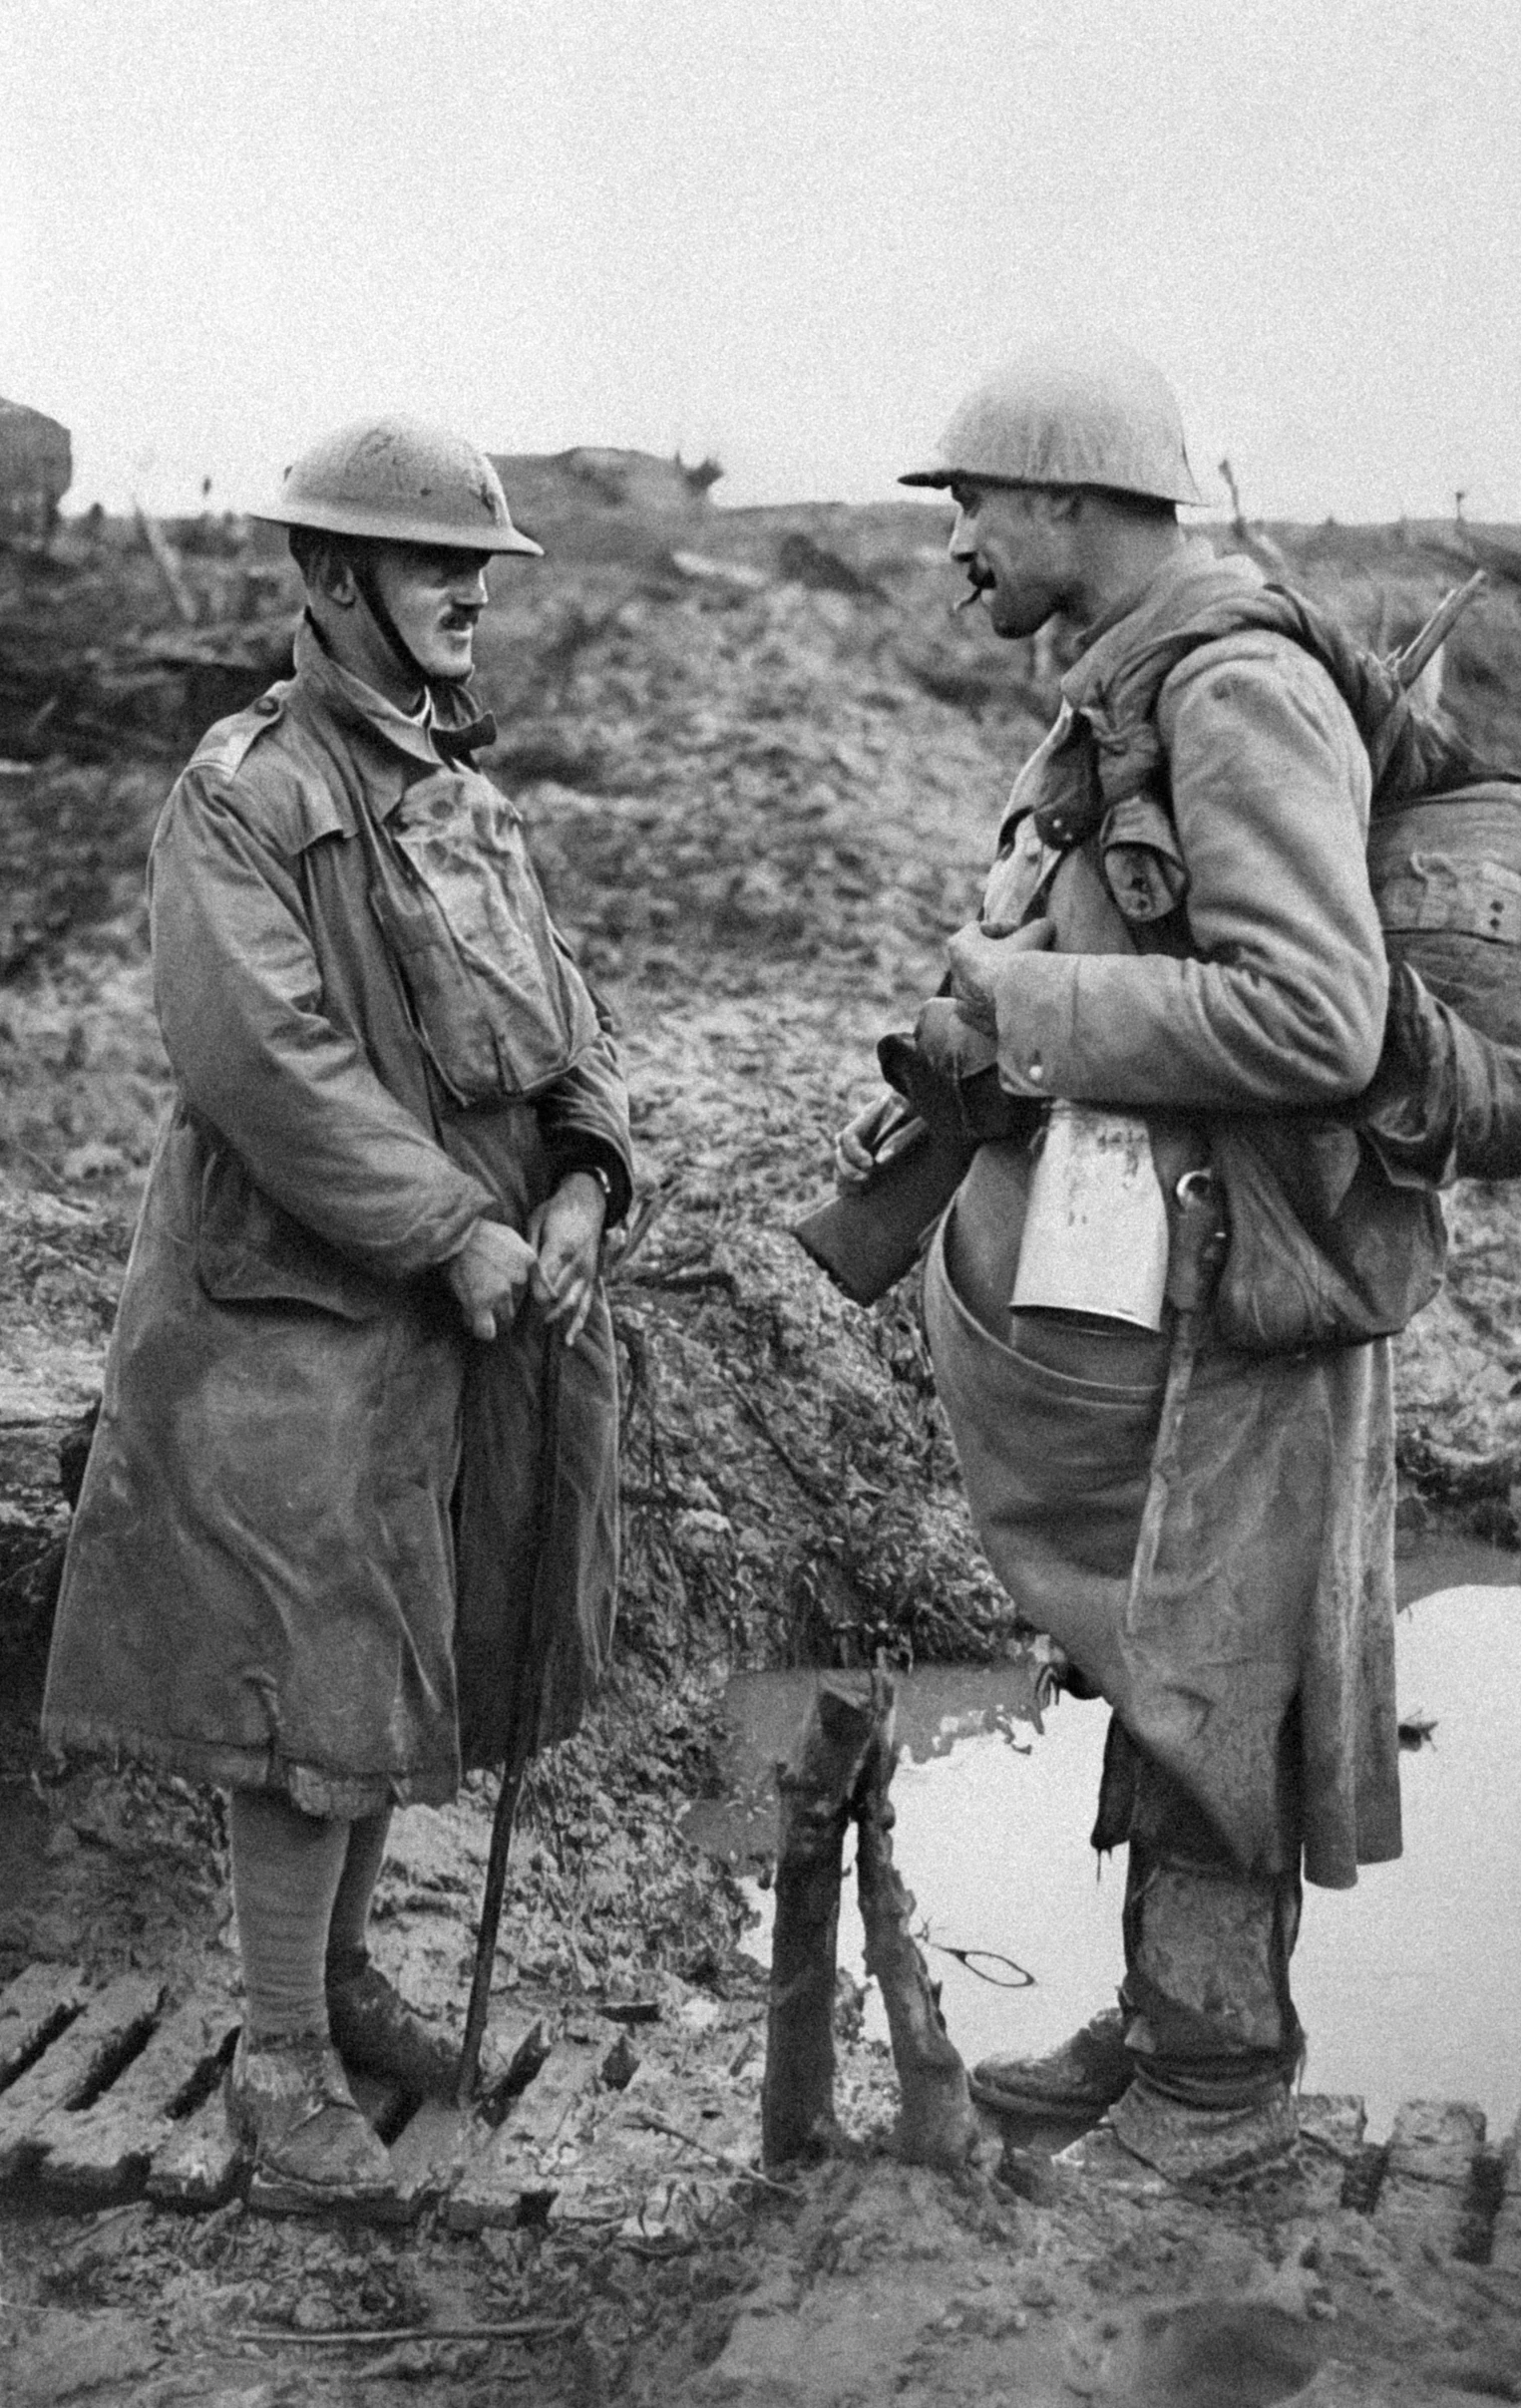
<point x="868" y="1237"/>
<point x="925" y="1135"/>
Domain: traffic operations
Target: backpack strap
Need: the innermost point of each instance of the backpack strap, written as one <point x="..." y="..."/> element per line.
<point x="1411" y="752"/>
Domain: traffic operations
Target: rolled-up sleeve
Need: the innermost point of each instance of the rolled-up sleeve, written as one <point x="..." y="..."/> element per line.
<point x="238" y="989"/>
<point x="1285" y="1004"/>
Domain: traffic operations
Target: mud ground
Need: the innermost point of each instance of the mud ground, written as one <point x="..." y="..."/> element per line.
<point x="761" y="770"/>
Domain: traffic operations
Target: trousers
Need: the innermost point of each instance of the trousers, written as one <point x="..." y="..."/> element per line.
<point x="1209" y="2019"/>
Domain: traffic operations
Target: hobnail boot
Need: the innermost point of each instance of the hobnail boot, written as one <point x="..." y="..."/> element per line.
<point x="312" y="2148"/>
<point x="376" y="2032"/>
<point x="1081" y="2078"/>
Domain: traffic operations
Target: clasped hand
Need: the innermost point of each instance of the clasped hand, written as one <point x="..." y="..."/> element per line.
<point x="978" y="953"/>
<point x="958" y="1033"/>
<point x="557" y="1261"/>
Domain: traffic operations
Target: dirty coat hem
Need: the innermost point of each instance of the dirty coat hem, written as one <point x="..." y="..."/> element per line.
<point x="306" y="1551"/>
<point x="311" y="1789"/>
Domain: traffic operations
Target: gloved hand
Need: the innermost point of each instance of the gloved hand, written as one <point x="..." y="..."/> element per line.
<point x="948" y="1068"/>
<point x="965" y="1110"/>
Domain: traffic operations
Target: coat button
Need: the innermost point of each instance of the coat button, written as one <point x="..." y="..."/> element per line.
<point x="1036" y="1069"/>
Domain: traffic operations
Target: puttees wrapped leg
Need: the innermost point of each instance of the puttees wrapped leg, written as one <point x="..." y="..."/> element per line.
<point x="815" y="1789"/>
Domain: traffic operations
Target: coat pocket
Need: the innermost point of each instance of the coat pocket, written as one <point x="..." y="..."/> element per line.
<point x="249" y="1251"/>
<point x="496" y="996"/>
<point x="1325" y="1248"/>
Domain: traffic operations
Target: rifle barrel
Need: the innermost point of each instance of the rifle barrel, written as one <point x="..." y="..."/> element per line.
<point x="1409" y="663"/>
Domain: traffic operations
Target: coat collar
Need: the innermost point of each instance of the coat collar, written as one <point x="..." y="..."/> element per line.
<point x="392" y="748"/>
<point x="1193" y="581"/>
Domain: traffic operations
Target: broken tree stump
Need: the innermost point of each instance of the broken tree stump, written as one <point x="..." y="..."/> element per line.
<point x="815" y="1789"/>
<point x="937" y="2125"/>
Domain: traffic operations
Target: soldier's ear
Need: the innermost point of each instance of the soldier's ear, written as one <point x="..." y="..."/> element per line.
<point x="332" y="576"/>
<point x="326" y="570"/>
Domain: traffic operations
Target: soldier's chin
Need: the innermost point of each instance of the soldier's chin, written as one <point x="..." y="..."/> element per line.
<point x="452" y="655"/>
<point x="1012" y="618"/>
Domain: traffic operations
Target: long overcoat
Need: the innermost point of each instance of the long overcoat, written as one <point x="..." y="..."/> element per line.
<point x="303" y="1555"/>
<point x="1258" y="1668"/>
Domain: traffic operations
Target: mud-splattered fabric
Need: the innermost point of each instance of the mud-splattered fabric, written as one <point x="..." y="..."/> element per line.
<point x="1273" y="1586"/>
<point x="496" y="999"/>
<point x="1258" y="1669"/>
<point x="309" y="1515"/>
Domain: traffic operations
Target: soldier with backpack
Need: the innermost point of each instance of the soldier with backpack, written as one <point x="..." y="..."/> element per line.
<point x="1159" y="1302"/>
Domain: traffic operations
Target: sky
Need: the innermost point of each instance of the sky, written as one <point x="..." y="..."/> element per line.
<point x="784" y="232"/>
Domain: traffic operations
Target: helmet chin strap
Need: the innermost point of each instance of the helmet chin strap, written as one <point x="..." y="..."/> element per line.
<point x="361" y="560"/>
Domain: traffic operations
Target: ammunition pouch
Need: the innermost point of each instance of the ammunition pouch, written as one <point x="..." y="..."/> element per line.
<point x="1325" y="1249"/>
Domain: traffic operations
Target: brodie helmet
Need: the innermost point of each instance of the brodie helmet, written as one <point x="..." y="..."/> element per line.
<point x="399" y="481"/>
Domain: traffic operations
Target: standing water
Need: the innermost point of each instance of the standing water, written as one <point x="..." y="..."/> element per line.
<point x="1409" y="1985"/>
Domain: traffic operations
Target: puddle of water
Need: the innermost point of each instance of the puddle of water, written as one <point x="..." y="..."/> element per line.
<point x="1409" y="1985"/>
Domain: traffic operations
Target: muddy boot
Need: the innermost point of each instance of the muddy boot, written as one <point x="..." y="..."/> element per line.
<point x="1204" y="2143"/>
<point x="312" y="2148"/>
<point x="1076" y="2081"/>
<point x="376" y="2032"/>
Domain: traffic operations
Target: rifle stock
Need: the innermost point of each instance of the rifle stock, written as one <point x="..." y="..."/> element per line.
<point x="868" y="1238"/>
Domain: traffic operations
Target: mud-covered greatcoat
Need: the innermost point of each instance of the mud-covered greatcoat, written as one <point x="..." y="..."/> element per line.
<point x="1258" y="1668"/>
<point x="303" y="1555"/>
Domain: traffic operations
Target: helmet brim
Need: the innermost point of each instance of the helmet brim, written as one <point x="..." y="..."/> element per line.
<point x="935" y="476"/>
<point x="386" y="527"/>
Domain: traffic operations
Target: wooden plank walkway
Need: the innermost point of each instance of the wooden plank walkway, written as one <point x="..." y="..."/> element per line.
<point x="104" y="2151"/>
<point x="114" y="2093"/>
<point x="1426" y="2195"/>
<point x="74" y="2067"/>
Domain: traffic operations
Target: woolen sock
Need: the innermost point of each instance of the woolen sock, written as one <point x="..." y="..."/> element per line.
<point x="346" y="1950"/>
<point x="286" y="1868"/>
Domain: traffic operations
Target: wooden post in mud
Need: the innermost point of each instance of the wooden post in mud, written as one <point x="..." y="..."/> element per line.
<point x="841" y="1768"/>
<point x="936" y="2124"/>
<point x="815" y="1789"/>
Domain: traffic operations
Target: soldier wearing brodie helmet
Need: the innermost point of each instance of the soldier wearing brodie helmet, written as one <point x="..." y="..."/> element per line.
<point x="383" y="497"/>
<point x="305" y="1554"/>
<point x="1178" y="981"/>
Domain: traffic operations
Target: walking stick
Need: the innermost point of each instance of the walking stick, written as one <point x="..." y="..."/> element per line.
<point x="515" y="1764"/>
<point x="1194" y="1259"/>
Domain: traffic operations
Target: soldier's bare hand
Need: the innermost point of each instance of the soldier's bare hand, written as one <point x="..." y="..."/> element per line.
<point x="567" y="1232"/>
<point x="978" y="952"/>
<point x="490" y="1277"/>
<point x="853" y="1156"/>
